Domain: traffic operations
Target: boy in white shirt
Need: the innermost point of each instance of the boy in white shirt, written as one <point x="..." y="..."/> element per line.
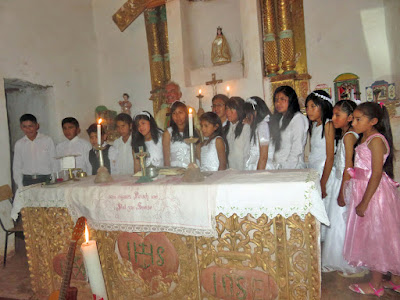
<point x="120" y="153"/>
<point x="34" y="154"/>
<point x="75" y="145"/>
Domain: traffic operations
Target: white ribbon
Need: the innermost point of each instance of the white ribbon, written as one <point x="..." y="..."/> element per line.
<point x="252" y="102"/>
<point x="142" y="113"/>
<point x="323" y="97"/>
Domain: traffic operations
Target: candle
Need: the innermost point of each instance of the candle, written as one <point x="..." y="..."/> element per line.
<point x="99" y="132"/>
<point x="93" y="267"/>
<point x="200" y="92"/>
<point x="191" y="122"/>
<point x="227" y="91"/>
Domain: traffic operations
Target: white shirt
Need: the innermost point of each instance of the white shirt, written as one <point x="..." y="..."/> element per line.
<point x="293" y="140"/>
<point x="156" y="157"/>
<point x="76" y="146"/>
<point x="121" y="157"/>
<point x="239" y="148"/>
<point x="35" y="157"/>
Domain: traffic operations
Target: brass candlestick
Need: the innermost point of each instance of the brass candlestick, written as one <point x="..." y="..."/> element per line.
<point x="192" y="173"/>
<point x="142" y="157"/>
<point x="200" y="111"/>
<point x="102" y="173"/>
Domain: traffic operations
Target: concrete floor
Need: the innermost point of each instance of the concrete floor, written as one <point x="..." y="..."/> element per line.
<point x="15" y="284"/>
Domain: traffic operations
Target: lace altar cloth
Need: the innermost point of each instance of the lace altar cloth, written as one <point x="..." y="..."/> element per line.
<point x="170" y="205"/>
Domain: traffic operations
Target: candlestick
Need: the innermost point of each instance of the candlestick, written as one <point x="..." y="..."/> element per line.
<point x="93" y="267"/>
<point x="190" y="122"/>
<point x="192" y="173"/>
<point x="227" y="91"/>
<point x="99" y="132"/>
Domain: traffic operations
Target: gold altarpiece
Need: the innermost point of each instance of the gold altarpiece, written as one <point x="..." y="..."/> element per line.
<point x="285" y="58"/>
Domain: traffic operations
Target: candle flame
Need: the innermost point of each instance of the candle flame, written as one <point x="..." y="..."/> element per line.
<point x="227" y="88"/>
<point x="86" y="234"/>
<point x="200" y="92"/>
<point x="190" y="110"/>
<point x="100" y="120"/>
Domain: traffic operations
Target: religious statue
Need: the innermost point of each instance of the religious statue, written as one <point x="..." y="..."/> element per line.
<point x="220" y="53"/>
<point x="125" y="104"/>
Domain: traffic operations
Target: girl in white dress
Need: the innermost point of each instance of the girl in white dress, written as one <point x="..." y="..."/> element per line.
<point x="148" y="136"/>
<point x="288" y="129"/>
<point x="176" y="151"/>
<point x="322" y="133"/>
<point x="237" y="134"/>
<point x="257" y="116"/>
<point x="212" y="152"/>
<point x="332" y="249"/>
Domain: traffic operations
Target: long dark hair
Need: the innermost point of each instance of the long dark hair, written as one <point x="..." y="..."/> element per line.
<point x="138" y="138"/>
<point x="324" y="105"/>
<point x="375" y="110"/>
<point x="237" y="104"/>
<point x="256" y="113"/>
<point x="176" y="136"/>
<point x="213" y="119"/>
<point x="348" y="107"/>
<point x="293" y="108"/>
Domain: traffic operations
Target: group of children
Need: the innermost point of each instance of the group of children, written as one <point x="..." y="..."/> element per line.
<point x="359" y="193"/>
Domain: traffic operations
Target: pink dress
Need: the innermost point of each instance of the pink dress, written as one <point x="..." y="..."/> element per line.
<point x="372" y="241"/>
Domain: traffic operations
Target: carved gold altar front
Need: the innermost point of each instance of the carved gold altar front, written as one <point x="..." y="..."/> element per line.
<point x="251" y="259"/>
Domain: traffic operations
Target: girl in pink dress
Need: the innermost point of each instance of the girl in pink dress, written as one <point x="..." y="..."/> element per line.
<point x="373" y="225"/>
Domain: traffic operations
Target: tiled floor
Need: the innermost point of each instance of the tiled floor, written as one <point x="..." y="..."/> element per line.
<point x="14" y="283"/>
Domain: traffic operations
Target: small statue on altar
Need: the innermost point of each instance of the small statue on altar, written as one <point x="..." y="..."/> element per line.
<point x="220" y="53"/>
<point x="125" y="104"/>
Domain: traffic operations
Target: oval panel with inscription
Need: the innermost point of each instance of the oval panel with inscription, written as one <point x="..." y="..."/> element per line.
<point x="236" y="284"/>
<point x="154" y="254"/>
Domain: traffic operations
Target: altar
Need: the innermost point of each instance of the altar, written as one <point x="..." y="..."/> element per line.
<point x="237" y="235"/>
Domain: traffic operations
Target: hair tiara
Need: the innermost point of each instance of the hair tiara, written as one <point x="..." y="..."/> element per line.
<point x="142" y="113"/>
<point x="252" y="102"/>
<point x="323" y="97"/>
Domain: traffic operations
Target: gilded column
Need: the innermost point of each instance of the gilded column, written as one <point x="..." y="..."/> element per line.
<point x="163" y="33"/>
<point x="270" y="45"/>
<point x="286" y="41"/>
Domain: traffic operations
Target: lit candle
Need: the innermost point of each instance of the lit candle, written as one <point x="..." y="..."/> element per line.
<point x="227" y="91"/>
<point x="200" y="92"/>
<point x="93" y="267"/>
<point x="99" y="132"/>
<point x="191" y="122"/>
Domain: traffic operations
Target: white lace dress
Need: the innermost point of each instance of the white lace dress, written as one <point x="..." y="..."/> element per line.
<point x="239" y="148"/>
<point x="332" y="249"/>
<point x="209" y="156"/>
<point x="293" y="140"/>
<point x="180" y="152"/>
<point x="261" y="138"/>
<point x="156" y="157"/>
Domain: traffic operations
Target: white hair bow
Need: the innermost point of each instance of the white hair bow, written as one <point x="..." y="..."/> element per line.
<point x="323" y="97"/>
<point x="252" y="102"/>
<point x="142" y="113"/>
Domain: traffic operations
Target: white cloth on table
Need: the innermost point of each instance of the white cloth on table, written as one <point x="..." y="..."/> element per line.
<point x="121" y="157"/>
<point x="179" y="152"/>
<point x="156" y="152"/>
<point x="293" y="140"/>
<point x="239" y="148"/>
<point x="332" y="249"/>
<point x="76" y="146"/>
<point x="35" y="157"/>
<point x="260" y="138"/>
<point x="209" y="156"/>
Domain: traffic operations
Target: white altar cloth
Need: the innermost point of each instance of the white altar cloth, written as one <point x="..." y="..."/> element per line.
<point x="170" y="205"/>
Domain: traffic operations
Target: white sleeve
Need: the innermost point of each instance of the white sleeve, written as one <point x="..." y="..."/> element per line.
<point x="298" y="137"/>
<point x="87" y="148"/>
<point x="54" y="162"/>
<point x="263" y="133"/>
<point x="245" y="136"/>
<point x="17" y="165"/>
<point x="59" y="153"/>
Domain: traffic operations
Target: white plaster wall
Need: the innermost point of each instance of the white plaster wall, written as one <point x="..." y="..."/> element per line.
<point x="123" y="60"/>
<point x="51" y="44"/>
<point x="347" y="36"/>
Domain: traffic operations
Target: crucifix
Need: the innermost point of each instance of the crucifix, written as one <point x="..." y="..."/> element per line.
<point x="214" y="83"/>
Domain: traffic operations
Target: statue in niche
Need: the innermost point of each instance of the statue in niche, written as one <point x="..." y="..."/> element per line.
<point x="125" y="104"/>
<point x="220" y="53"/>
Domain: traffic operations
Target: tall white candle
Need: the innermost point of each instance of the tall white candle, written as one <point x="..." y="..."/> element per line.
<point x="93" y="267"/>
<point x="99" y="132"/>
<point x="190" y="123"/>
<point x="227" y="91"/>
